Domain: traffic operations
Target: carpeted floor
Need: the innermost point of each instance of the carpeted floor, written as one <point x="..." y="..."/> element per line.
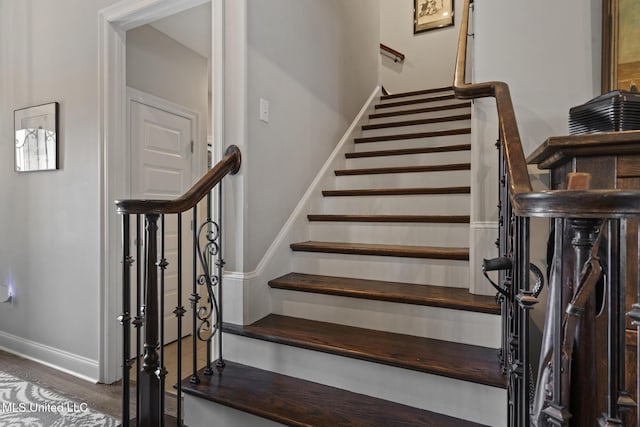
<point x="23" y="404"/>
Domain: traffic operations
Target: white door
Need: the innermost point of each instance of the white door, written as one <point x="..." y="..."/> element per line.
<point x="161" y="168"/>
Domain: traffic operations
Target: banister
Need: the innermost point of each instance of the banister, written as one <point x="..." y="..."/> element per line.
<point x="397" y="56"/>
<point x="556" y="203"/>
<point x="230" y="164"/>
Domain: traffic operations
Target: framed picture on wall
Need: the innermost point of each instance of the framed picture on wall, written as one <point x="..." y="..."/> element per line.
<point x="620" y="46"/>
<point x="36" y="138"/>
<point x="432" y="14"/>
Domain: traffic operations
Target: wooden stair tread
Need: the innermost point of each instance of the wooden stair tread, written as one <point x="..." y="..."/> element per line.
<point x="416" y="93"/>
<point x="415" y="101"/>
<point x="454" y="360"/>
<point x="437" y="219"/>
<point x="417" y="135"/>
<point x="409" y="151"/>
<point x="397" y="191"/>
<point x="417" y="122"/>
<point x="405" y="169"/>
<point x="420" y="110"/>
<point x="406" y="293"/>
<point x="295" y="402"/>
<point x="403" y="251"/>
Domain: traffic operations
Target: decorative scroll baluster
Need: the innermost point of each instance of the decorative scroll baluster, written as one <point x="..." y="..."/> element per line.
<point x="149" y="385"/>
<point x="210" y="315"/>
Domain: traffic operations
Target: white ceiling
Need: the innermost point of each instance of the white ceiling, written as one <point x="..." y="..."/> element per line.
<point x="191" y="28"/>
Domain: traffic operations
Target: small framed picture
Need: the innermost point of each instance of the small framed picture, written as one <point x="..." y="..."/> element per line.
<point x="36" y="138"/>
<point x="432" y="14"/>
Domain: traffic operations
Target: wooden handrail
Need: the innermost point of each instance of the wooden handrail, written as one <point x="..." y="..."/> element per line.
<point x="555" y="203"/>
<point x="399" y="55"/>
<point x="230" y="164"/>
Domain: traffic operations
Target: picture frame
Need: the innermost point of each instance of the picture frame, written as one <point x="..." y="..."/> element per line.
<point x="432" y="14"/>
<point x="620" y="48"/>
<point x="36" y="138"/>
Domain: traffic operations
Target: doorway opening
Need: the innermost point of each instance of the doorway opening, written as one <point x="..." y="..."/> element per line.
<point x="148" y="21"/>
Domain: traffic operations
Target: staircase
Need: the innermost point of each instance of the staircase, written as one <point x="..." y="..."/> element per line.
<point x="375" y="325"/>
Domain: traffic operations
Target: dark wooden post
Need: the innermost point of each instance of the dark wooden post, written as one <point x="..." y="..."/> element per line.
<point x="584" y="376"/>
<point x="149" y="387"/>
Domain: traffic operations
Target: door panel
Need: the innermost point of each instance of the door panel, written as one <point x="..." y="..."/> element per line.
<point x="161" y="168"/>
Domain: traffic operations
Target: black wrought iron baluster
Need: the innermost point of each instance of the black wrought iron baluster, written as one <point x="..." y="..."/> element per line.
<point x="220" y="266"/>
<point x="139" y="320"/>
<point x="125" y="318"/>
<point x="556" y="414"/>
<point x="179" y="312"/>
<point x="634" y="315"/>
<point x="526" y="301"/>
<point x="625" y="403"/>
<point x="194" y="299"/>
<point x="614" y="338"/>
<point x="149" y="386"/>
<point x="161" y="372"/>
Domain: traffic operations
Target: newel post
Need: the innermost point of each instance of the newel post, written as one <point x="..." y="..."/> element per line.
<point x="149" y="387"/>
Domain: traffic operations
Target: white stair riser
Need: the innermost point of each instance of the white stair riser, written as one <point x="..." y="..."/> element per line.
<point x="413" y="143"/>
<point x="412" y="97"/>
<point x="403" y="180"/>
<point x="429" y="127"/>
<point x="417" y="116"/>
<point x="201" y="412"/>
<point x="460" y="399"/>
<point x="433" y="204"/>
<point x="456" y="235"/>
<point x="447" y="157"/>
<point x="430" y="322"/>
<point x="413" y="106"/>
<point x="451" y="273"/>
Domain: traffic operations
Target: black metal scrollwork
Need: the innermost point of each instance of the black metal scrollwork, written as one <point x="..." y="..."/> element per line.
<point x="208" y="249"/>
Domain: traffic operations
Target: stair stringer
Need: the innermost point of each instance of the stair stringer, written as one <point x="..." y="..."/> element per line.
<point x="246" y="296"/>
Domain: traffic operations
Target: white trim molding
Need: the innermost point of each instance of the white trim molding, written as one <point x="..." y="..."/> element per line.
<point x="72" y="364"/>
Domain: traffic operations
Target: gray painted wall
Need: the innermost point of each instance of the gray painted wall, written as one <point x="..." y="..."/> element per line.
<point x="316" y="62"/>
<point x="50" y="221"/>
<point x="159" y="65"/>
<point x="551" y="63"/>
<point x="430" y="56"/>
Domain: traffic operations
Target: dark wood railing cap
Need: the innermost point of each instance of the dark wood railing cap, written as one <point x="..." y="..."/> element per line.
<point x="399" y="55"/>
<point x="229" y="165"/>
<point x="526" y="202"/>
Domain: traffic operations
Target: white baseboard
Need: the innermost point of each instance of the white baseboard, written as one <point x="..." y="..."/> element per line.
<point x="69" y="363"/>
<point x="483" y="235"/>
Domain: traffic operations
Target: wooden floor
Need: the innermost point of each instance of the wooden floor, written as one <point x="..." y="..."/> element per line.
<point x="101" y="397"/>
